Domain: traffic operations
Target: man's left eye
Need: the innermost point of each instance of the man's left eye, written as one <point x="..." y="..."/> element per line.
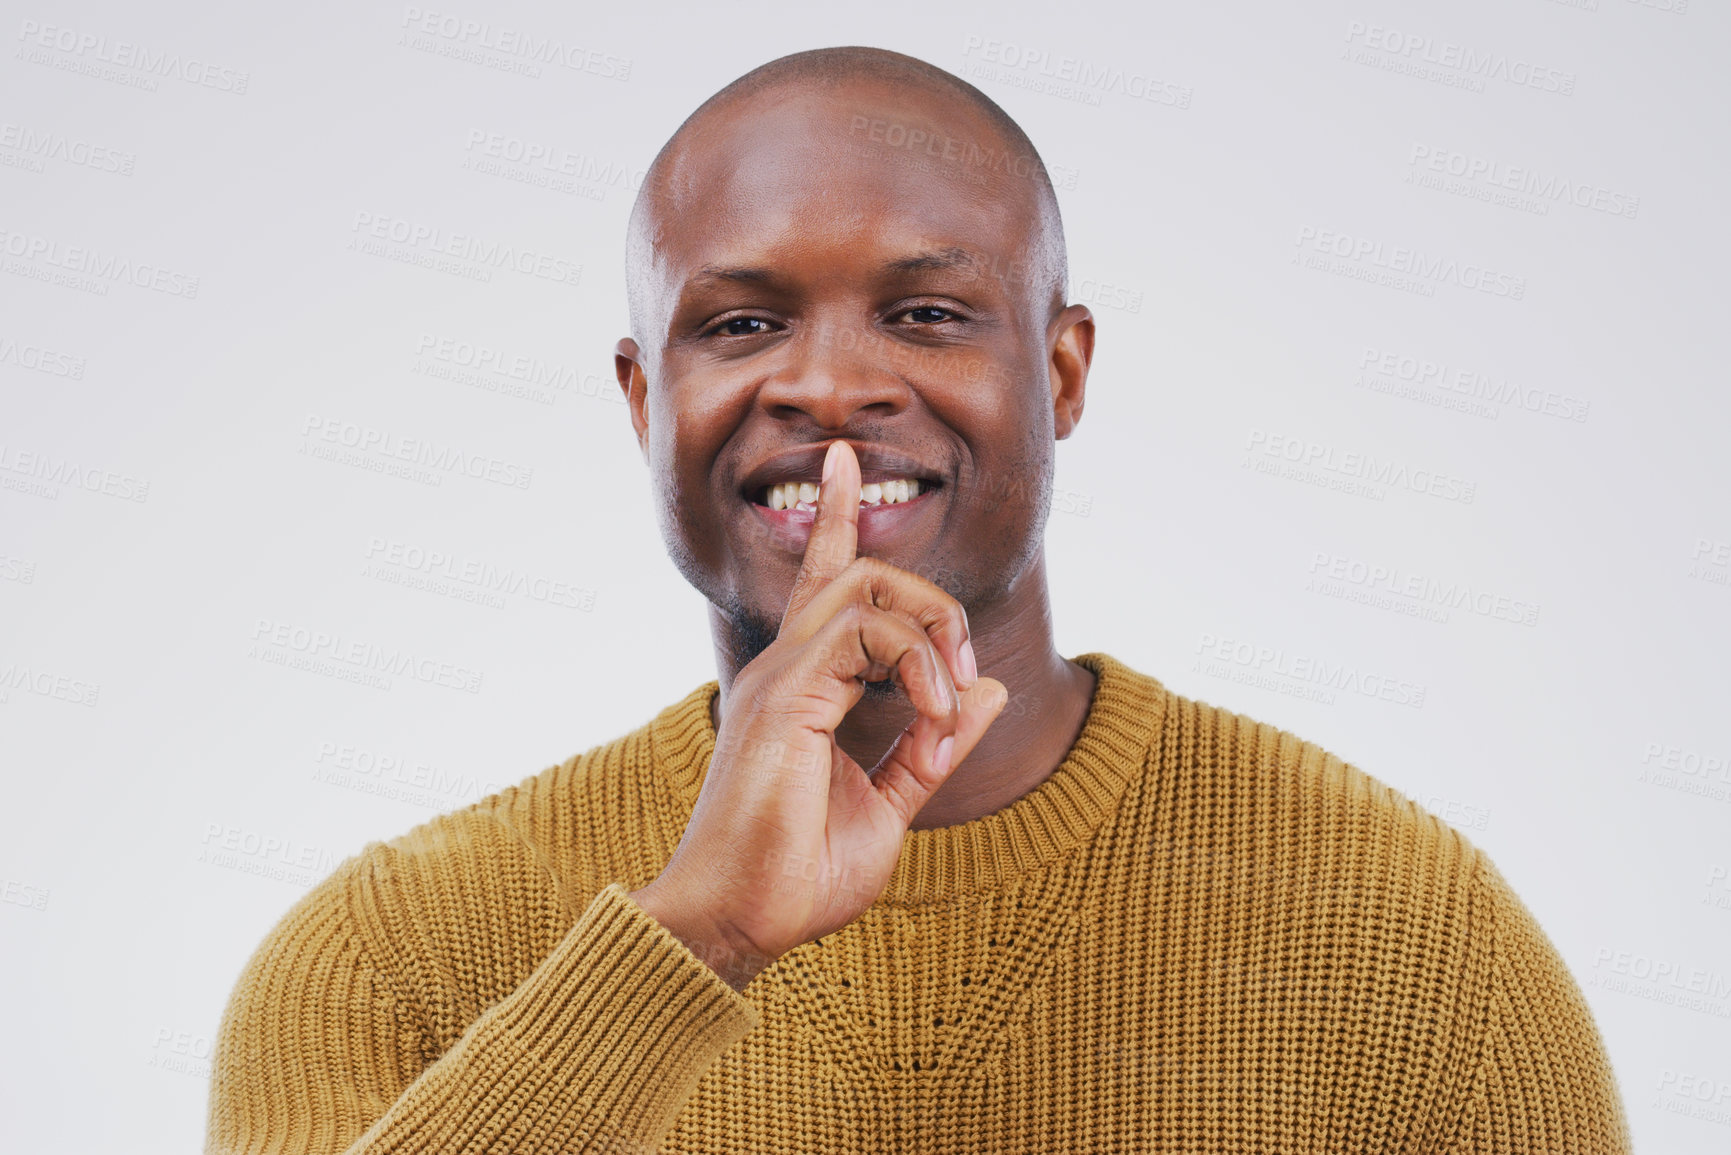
<point x="929" y="315"/>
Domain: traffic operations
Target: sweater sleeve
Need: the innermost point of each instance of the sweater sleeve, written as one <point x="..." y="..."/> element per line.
<point x="1543" y="1084"/>
<point x="323" y="1051"/>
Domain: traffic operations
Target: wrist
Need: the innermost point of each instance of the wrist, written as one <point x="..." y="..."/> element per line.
<point x="736" y="963"/>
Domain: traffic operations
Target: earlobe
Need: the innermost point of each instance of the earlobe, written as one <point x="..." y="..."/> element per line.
<point x="1072" y="346"/>
<point x="634" y="382"/>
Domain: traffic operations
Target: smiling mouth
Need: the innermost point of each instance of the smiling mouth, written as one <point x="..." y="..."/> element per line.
<point x="803" y="495"/>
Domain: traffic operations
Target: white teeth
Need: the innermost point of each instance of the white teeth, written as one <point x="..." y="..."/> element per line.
<point x="804" y="495"/>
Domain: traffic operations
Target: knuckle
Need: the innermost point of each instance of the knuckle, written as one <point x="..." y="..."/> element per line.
<point x="878" y="579"/>
<point x="847" y="629"/>
<point x="871" y="566"/>
<point x="944" y="615"/>
<point x="851" y="616"/>
<point x="870" y="575"/>
<point x="948" y="614"/>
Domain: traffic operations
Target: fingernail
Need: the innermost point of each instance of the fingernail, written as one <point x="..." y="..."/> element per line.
<point x="829" y="459"/>
<point x="941" y="758"/>
<point x="970" y="668"/>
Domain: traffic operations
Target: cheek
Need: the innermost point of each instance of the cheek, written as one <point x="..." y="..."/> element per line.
<point x="684" y="436"/>
<point x="1000" y="407"/>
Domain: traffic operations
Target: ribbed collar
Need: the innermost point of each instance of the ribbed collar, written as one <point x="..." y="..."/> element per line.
<point x="1122" y="724"/>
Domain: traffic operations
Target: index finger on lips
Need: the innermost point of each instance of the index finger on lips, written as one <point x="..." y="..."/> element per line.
<point x="834" y="541"/>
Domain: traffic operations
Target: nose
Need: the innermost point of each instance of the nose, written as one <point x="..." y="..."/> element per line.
<point x="833" y="375"/>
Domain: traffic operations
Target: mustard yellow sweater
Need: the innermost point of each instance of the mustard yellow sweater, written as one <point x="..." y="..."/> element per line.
<point x="1201" y="934"/>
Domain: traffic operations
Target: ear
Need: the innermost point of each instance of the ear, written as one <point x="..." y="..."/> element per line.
<point x="1071" y="340"/>
<point x="628" y="367"/>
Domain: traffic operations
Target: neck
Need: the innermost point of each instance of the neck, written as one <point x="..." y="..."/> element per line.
<point x="1049" y="697"/>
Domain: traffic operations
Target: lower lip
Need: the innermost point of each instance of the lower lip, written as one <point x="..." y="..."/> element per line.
<point x="879" y="525"/>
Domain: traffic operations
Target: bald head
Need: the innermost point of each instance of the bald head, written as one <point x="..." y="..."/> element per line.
<point x="851" y="244"/>
<point x="890" y="109"/>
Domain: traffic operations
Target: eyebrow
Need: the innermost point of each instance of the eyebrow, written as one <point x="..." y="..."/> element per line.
<point x="954" y="257"/>
<point x="749" y="275"/>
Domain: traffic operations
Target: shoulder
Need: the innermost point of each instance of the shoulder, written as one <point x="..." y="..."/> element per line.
<point x="1334" y="815"/>
<point x="1385" y="929"/>
<point x="1277" y="837"/>
<point x="1190" y="738"/>
<point x="1362" y="911"/>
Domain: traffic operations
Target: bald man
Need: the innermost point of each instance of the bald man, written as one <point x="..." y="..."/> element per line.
<point x="902" y="877"/>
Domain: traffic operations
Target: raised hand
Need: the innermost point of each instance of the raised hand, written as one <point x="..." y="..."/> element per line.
<point x="791" y="838"/>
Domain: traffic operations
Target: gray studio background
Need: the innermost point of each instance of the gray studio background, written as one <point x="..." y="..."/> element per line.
<point x="1407" y="433"/>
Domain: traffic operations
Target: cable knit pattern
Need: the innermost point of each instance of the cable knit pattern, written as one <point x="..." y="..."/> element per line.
<point x="1199" y="934"/>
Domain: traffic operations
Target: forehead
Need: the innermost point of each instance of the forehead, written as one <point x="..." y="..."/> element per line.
<point x="857" y="174"/>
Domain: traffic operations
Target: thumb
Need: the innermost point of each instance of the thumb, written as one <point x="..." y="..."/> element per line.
<point x="908" y="775"/>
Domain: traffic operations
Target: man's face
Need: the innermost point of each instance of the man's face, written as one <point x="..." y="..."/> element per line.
<point x="812" y="281"/>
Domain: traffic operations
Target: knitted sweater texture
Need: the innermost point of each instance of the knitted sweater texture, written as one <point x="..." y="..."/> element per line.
<point x="1199" y="934"/>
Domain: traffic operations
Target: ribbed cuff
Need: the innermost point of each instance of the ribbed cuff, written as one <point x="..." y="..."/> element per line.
<point x="625" y="1013"/>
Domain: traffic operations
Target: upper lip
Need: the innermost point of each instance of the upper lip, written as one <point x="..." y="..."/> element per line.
<point x="804" y="463"/>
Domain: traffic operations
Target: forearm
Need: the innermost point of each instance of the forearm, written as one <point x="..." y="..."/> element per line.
<point x="597" y="1050"/>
